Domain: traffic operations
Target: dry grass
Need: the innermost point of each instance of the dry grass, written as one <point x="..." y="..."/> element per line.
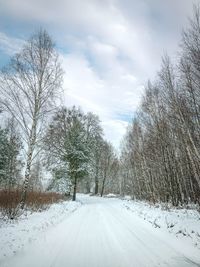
<point x="10" y="200"/>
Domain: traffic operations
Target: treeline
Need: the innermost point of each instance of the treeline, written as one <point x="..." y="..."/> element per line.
<point x="77" y="153"/>
<point x="38" y="135"/>
<point x="161" y="150"/>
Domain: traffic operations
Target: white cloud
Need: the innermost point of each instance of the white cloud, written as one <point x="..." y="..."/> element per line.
<point x="113" y="47"/>
<point x="10" y="45"/>
<point x="109" y="97"/>
<point x="113" y="129"/>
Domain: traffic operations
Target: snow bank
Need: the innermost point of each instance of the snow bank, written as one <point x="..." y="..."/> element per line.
<point x="16" y="234"/>
<point x="183" y="223"/>
<point x="110" y="195"/>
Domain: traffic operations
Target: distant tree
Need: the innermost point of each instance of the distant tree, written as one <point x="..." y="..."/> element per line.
<point x="15" y="161"/>
<point x="94" y="139"/>
<point x="107" y="165"/>
<point x="66" y="142"/>
<point x="4" y="151"/>
<point x="10" y="163"/>
<point x="28" y="87"/>
<point x="77" y="152"/>
<point x="96" y="167"/>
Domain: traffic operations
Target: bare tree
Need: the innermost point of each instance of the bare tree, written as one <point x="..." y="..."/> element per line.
<point x="108" y="163"/>
<point x="162" y="144"/>
<point x="28" y="87"/>
<point x="94" y="142"/>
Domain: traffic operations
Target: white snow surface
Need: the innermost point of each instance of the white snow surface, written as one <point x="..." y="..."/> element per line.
<point x="15" y="235"/>
<point x="183" y="223"/>
<point x="102" y="232"/>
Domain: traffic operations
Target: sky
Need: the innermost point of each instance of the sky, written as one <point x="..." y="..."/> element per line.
<point x="108" y="48"/>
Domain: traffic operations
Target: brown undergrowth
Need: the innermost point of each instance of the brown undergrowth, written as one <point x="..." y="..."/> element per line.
<point x="36" y="201"/>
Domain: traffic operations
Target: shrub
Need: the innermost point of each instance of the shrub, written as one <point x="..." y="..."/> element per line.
<point x="36" y="201"/>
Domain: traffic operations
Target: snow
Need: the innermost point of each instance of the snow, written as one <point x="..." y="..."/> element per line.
<point x="110" y="195"/>
<point x="183" y="223"/>
<point x="14" y="235"/>
<point x="106" y="232"/>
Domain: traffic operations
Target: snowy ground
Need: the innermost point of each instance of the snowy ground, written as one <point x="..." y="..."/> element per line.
<point x="183" y="223"/>
<point x="14" y="235"/>
<point x="102" y="232"/>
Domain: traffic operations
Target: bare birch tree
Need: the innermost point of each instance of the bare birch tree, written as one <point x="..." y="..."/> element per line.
<point x="28" y="87"/>
<point x="162" y="144"/>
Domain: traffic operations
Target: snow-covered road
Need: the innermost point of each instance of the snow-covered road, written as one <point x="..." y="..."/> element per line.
<point x="103" y="233"/>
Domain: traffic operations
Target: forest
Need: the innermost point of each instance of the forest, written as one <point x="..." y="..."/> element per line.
<point x="49" y="151"/>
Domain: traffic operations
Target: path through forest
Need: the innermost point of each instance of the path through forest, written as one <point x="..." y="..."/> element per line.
<point x="103" y="233"/>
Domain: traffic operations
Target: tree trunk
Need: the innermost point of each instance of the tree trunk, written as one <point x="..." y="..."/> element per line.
<point x="193" y="166"/>
<point x="96" y="190"/>
<point x="103" y="185"/>
<point x="74" y="192"/>
<point x="28" y="164"/>
<point x="26" y="181"/>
